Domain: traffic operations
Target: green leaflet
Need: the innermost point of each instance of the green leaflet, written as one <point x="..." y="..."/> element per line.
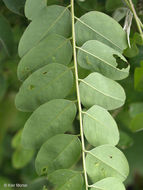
<point x="38" y="183"/>
<point x="106" y="161"/>
<point x="53" y="19"/>
<point x="99" y="127"/>
<point x="97" y="26"/>
<point x="37" y="6"/>
<point x="53" y="48"/>
<point x="50" y="82"/>
<point x="90" y="4"/>
<point x="111" y="5"/>
<point x="64" y="179"/>
<point x="16" y="139"/>
<point x="120" y="13"/>
<point x="96" y="56"/>
<point x="99" y="90"/>
<point x="21" y="157"/>
<point x="108" y="183"/>
<point x="48" y="120"/>
<point x="6" y="36"/>
<point x="52" y="157"/>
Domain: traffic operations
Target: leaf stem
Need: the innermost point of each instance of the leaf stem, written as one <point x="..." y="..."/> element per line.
<point x="78" y="94"/>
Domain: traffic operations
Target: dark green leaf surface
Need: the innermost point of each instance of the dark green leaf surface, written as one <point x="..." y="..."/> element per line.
<point x="49" y="119"/>
<point x="21" y="157"/>
<point x="53" y="48"/>
<point x="15" y="6"/>
<point x="54" y="19"/>
<point x="90" y="5"/>
<point x="37" y="6"/>
<point x="52" y="157"/>
<point x="66" y="180"/>
<point x="50" y="82"/>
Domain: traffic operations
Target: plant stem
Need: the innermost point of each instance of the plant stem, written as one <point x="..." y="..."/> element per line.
<point x="136" y="17"/>
<point x="127" y="3"/>
<point x="139" y="23"/>
<point x="78" y="94"/>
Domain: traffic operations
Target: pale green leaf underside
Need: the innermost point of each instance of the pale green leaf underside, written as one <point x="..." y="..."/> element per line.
<point x="64" y="179"/>
<point x="96" y="56"/>
<point x="109" y="183"/>
<point x="99" y="90"/>
<point x="50" y="82"/>
<point x="99" y="127"/>
<point x="53" y="19"/>
<point x="33" y="8"/>
<point x="48" y="120"/>
<point x="106" y="161"/>
<point x="99" y="26"/>
<point x="54" y="48"/>
<point x="59" y="152"/>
